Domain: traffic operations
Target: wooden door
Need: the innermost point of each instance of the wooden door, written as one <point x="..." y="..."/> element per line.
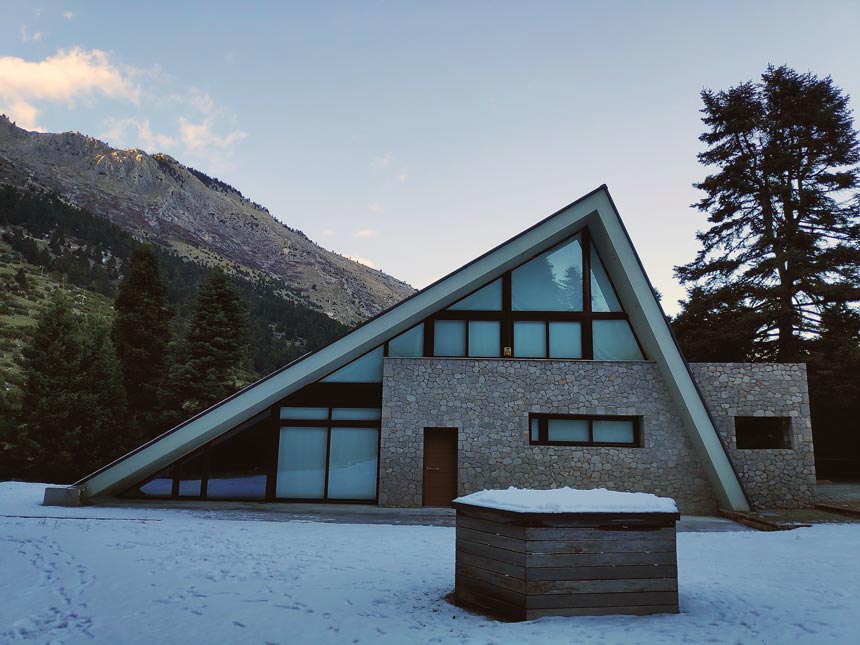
<point x="440" y="466"/>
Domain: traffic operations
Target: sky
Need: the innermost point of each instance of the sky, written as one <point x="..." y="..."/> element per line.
<point x="416" y="136"/>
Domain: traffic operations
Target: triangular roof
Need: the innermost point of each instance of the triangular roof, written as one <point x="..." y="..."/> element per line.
<point x="597" y="212"/>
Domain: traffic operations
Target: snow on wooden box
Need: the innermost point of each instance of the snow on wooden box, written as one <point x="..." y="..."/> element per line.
<point x="522" y="554"/>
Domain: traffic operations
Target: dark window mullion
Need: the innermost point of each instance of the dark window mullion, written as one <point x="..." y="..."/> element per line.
<point x="546" y="353"/>
<point x="327" y="456"/>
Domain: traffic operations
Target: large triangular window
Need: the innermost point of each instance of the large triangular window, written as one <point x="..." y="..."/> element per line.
<point x="559" y="304"/>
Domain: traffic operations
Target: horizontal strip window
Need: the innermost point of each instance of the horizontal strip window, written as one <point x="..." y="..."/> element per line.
<point x="583" y="430"/>
<point x="325" y="417"/>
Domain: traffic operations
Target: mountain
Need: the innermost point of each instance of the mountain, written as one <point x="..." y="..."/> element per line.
<point x="156" y="198"/>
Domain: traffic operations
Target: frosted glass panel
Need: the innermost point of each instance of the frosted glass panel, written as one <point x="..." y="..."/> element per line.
<point x="304" y="413"/>
<point x="301" y="463"/>
<point x="484" y="338"/>
<point x="450" y="338"/>
<point x="550" y="282"/>
<point x="189" y="488"/>
<point x="159" y="486"/>
<point x="614" y="341"/>
<point x="363" y="414"/>
<point x="567" y="429"/>
<point x="352" y="465"/>
<point x="535" y="430"/>
<point x="613" y="431"/>
<point x="530" y="339"/>
<point x="565" y="340"/>
<point x="367" y="369"/>
<point x="409" y="344"/>
<point x="603" y="296"/>
<point x="488" y="298"/>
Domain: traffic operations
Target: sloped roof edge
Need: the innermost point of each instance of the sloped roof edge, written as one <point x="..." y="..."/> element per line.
<point x="595" y="210"/>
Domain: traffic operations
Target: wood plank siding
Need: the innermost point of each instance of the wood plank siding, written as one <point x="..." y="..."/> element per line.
<point x="520" y="566"/>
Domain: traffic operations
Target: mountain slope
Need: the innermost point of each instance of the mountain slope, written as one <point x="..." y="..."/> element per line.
<point x="155" y="197"/>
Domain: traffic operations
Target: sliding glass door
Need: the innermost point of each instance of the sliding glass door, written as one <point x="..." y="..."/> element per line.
<point x="328" y="454"/>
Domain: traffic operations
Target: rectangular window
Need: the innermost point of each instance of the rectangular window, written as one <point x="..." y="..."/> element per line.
<point x="450" y="338"/>
<point x="763" y="433"/>
<point x="529" y="339"/>
<point x="583" y="430"/>
<point x="484" y="338"/>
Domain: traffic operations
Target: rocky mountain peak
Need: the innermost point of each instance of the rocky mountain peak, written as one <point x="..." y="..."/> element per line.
<point x="156" y="197"/>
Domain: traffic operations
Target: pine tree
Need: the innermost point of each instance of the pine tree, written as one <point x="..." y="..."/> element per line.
<point x="141" y="331"/>
<point x="72" y="403"/>
<point x="710" y="328"/>
<point x="834" y="391"/>
<point x="210" y="361"/>
<point x="784" y="239"/>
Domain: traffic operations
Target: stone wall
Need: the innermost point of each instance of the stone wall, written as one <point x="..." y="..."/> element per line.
<point x="772" y="478"/>
<point x="488" y="401"/>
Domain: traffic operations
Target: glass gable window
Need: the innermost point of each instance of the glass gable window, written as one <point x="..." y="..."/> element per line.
<point x="450" y="338"/>
<point x="565" y="340"/>
<point x="603" y="296"/>
<point x="487" y="298"/>
<point x="484" y="338"/>
<point x="550" y="282"/>
<point x="583" y="430"/>
<point x="529" y="339"/>
<point x="366" y="369"/>
<point x="614" y="341"/>
<point x="409" y="344"/>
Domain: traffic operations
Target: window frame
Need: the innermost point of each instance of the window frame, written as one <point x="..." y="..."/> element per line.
<point x="543" y="430"/>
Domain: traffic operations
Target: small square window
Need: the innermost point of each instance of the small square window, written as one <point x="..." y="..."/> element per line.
<point x="763" y="433"/>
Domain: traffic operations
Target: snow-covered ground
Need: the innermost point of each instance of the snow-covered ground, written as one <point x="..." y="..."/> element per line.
<point x="171" y="576"/>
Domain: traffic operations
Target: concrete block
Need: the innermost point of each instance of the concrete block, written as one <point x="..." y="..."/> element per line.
<point x="62" y="497"/>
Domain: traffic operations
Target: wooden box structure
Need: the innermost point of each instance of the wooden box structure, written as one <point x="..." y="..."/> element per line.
<point x="524" y="565"/>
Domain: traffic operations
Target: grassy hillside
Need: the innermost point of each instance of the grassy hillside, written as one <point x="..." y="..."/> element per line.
<point x="19" y="306"/>
<point x="56" y="244"/>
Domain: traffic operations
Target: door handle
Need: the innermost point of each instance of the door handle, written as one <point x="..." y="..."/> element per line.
<point x="430" y="468"/>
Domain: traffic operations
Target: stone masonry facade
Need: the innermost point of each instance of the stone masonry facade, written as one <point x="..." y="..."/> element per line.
<point x="773" y="478"/>
<point x="489" y="400"/>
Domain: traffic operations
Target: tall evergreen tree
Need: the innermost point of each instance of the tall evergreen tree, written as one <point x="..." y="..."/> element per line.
<point x="784" y="239"/>
<point x="210" y="360"/>
<point x="141" y="331"/>
<point x="72" y="404"/>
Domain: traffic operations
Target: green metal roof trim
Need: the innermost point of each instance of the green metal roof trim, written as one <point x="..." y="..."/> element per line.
<point x="595" y="211"/>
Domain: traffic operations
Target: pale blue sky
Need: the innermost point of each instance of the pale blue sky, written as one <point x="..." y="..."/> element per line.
<point x="419" y="135"/>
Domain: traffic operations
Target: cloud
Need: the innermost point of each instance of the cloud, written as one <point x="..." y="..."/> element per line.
<point x="149" y="109"/>
<point x="141" y="135"/>
<point x="365" y="232"/>
<point x="375" y="207"/>
<point x="66" y="77"/>
<point x="363" y="261"/>
<point x="383" y="161"/>
<point x="402" y="175"/>
<point x="327" y="232"/>
<point x="68" y="15"/>
<point x="28" y="37"/>
<point x="198" y="137"/>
